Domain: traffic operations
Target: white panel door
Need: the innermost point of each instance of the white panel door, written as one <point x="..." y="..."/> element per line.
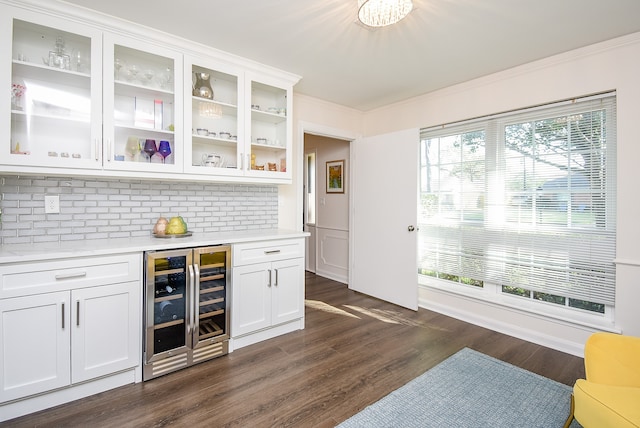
<point x="288" y="290"/>
<point x="251" y="299"/>
<point x="385" y="188"/>
<point x="34" y="344"/>
<point x="106" y="327"/>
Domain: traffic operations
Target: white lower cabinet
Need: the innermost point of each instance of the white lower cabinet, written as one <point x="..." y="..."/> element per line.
<point x="267" y="290"/>
<point x="35" y="344"/>
<point x="52" y="340"/>
<point x="104" y="330"/>
<point x="67" y="323"/>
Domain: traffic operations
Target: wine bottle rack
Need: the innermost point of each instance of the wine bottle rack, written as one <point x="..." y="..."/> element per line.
<point x="210" y="329"/>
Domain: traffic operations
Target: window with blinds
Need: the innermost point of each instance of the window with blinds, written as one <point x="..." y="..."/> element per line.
<point x="524" y="203"/>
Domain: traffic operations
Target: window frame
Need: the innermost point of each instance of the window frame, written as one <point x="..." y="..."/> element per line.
<point x="495" y="125"/>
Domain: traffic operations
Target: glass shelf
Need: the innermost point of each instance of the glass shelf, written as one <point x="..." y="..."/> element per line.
<point x="268" y="117"/>
<point x="29" y="70"/>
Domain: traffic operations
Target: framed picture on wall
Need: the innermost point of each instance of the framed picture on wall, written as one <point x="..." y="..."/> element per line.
<point x="335" y="176"/>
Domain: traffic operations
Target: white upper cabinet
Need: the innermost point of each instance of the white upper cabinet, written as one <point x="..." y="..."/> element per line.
<point x="142" y="106"/>
<point x="213" y="113"/>
<point x="268" y="128"/>
<point x="95" y="98"/>
<point x="238" y="121"/>
<point x="54" y="110"/>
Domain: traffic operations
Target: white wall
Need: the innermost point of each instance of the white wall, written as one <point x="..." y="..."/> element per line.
<point x="613" y="65"/>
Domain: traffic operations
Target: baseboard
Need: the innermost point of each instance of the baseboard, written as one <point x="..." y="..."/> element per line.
<point x="268" y="333"/>
<point x="329" y="275"/>
<point x="36" y="403"/>
<point x="565" y="338"/>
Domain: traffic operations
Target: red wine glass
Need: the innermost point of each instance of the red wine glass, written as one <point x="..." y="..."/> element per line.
<point x="164" y="149"/>
<point x="150" y="148"/>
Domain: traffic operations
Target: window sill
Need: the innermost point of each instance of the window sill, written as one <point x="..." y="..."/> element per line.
<point x="542" y="310"/>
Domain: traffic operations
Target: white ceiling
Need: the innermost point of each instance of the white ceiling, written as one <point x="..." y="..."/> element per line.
<point x="441" y="43"/>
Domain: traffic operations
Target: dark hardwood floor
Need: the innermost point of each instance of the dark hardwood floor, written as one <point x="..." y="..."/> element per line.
<point x="353" y="351"/>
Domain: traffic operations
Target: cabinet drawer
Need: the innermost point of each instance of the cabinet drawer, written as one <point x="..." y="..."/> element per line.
<point x="64" y="274"/>
<point x="258" y="252"/>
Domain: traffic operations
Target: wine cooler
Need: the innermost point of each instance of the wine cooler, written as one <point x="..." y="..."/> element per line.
<point x="186" y="308"/>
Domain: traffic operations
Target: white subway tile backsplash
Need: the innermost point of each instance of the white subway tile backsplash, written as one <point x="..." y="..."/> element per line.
<point x="109" y="208"/>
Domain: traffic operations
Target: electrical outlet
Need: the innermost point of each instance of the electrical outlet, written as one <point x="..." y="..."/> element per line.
<point x="52" y="204"/>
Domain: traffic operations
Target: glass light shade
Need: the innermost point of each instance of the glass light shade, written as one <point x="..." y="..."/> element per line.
<point x="380" y="13"/>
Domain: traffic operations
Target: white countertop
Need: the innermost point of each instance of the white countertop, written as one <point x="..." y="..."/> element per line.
<point x="56" y="250"/>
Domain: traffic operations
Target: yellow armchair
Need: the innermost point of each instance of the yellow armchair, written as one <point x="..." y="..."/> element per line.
<point x="610" y="394"/>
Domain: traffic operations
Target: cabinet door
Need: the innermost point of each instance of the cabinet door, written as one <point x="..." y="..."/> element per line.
<point x="251" y="299"/>
<point x="34" y="344"/>
<point x="214" y="132"/>
<point x="268" y="142"/>
<point x="53" y="114"/>
<point x="105" y="329"/>
<point x="287" y="290"/>
<point x="142" y="106"/>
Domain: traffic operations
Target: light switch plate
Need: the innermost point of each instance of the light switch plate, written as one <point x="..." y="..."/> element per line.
<point x="52" y="204"/>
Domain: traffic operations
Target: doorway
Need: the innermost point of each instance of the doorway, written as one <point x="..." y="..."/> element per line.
<point x="326" y="206"/>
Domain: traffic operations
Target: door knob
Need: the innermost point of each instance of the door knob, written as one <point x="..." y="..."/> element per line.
<point x="411" y="228"/>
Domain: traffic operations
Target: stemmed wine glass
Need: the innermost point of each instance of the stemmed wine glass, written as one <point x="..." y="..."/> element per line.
<point x="148" y="75"/>
<point x="150" y="148"/>
<point x="132" y="72"/>
<point x="133" y="148"/>
<point x="164" y="149"/>
<point x="167" y="78"/>
<point x="118" y="64"/>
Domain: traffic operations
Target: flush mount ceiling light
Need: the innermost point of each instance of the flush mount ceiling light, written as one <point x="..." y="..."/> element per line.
<point x="380" y="13"/>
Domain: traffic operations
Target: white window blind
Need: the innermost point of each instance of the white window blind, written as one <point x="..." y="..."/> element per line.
<point x="525" y="199"/>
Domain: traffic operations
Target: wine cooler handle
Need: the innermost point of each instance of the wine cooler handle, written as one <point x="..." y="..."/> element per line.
<point x="269" y="284"/>
<point x="276" y="282"/>
<point x="190" y="292"/>
<point x="78" y="313"/>
<point x="195" y="310"/>
<point x="63" y="315"/>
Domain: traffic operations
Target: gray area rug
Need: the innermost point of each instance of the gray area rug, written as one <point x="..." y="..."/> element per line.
<point x="471" y="389"/>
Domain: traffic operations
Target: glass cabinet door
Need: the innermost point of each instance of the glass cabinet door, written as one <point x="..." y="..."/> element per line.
<point x="270" y="131"/>
<point x="167" y="299"/>
<point x="142" y="108"/>
<point x="213" y="130"/>
<point x="55" y="93"/>
<point x="211" y="313"/>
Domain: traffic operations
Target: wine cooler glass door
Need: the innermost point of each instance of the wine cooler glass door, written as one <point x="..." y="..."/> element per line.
<point x="167" y="297"/>
<point x="211" y="312"/>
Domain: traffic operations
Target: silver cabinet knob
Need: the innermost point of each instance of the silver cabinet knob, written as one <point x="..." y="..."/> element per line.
<point x="411" y="228"/>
